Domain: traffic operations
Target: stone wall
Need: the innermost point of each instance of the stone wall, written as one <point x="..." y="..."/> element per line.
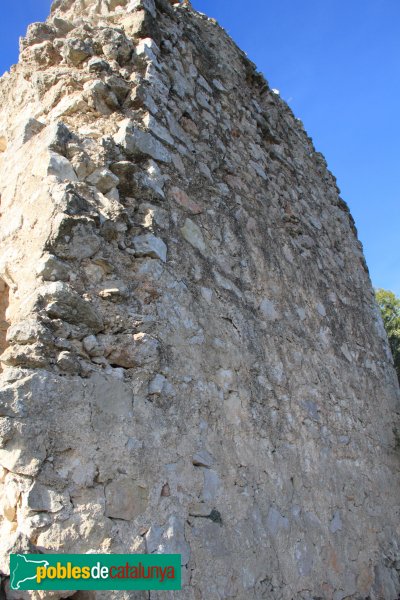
<point x="4" y="293"/>
<point x="195" y="360"/>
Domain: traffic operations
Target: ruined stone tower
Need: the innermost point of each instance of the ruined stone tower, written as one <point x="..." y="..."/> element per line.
<point x="192" y="359"/>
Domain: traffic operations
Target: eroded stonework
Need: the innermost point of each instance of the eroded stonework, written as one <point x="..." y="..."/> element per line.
<point x="193" y="359"/>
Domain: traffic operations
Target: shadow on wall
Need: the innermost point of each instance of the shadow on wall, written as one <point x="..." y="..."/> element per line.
<point x="4" y="300"/>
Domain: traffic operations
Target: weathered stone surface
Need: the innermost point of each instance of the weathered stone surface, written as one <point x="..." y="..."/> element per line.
<point x="148" y="5"/>
<point x="103" y="179"/>
<point x="202" y="459"/>
<point x="37" y="33"/>
<point x="62" y="302"/>
<point x="41" y="499"/>
<point x="192" y="234"/>
<point x="76" y="51"/>
<point x="157" y="129"/>
<point x="67" y="362"/>
<point x="52" y="269"/>
<point x="62" y="25"/>
<point x="26" y="332"/>
<point x="98" y="65"/>
<point x="236" y="403"/>
<point x="56" y="165"/>
<point x="150" y="245"/>
<point x="268" y="310"/>
<point x="125" y="499"/>
<point x="131" y="351"/>
<point x="157" y="384"/>
<point x="181" y="198"/>
<point x="141" y="143"/>
<point x="100" y="97"/>
<point x="152" y="179"/>
<point x="27" y="130"/>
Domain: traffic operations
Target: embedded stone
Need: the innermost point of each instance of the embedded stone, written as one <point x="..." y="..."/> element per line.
<point x="192" y="234"/>
<point x="147" y="48"/>
<point x="75" y="51"/>
<point x="157" y="129"/>
<point x="90" y="343"/>
<point x="141" y="143"/>
<point x="173" y="540"/>
<point x="202" y="459"/>
<point x="268" y="309"/>
<point x="67" y="362"/>
<point x="43" y="499"/>
<point x="211" y="486"/>
<point x="181" y="198"/>
<point x="150" y="245"/>
<point x="26" y="332"/>
<point x="55" y="165"/>
<point x="129" y="351"/>
<point x="69" y="106"/>
<point x="103" y="179"/>
<point x="276" y="522"/>
<point x="218" y="85"/>
<point x="115" y="45"/>
<point x="336" y="523"/>
<point x="37" y="33"/>
<point x="156" y="385"/>
<point x="27" y="130"/>
<point x="125" y="499"/>
<point x="152" y="179"/>
<point x="98" y="65"/>
<point x="100" y="97"/>
<point x="62" y="302"/>
<point x="63" y="26"/>
<point x="61" y="168"/>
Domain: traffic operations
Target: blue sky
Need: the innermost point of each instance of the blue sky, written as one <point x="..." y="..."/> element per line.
<point x="337" y="63"/>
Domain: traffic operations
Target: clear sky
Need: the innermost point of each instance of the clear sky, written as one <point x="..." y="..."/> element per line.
<point x="337" y="63"/>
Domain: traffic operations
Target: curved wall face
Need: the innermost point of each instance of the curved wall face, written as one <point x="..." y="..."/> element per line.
<point x="195" y="360"/>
